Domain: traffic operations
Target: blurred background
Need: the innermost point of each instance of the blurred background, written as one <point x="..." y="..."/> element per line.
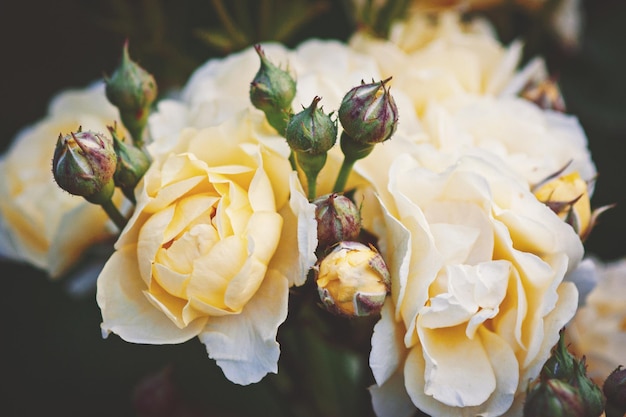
<point x="53" y="358"/>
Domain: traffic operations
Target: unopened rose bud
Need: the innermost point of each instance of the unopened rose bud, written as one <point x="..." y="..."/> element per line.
<point x="132" y="90"/>
<point x="311" y="131"/>
<point x="615" y="391"/>
<point x="590" y="393"/>
<point x="368" y="113"/>
<point x="338" y="219"/>
<point x="545" y="94"/>
<point x="272" y="90"/>
<point x="132" y="163"/>
<point x="561" y="364"/>
<point x="553" y="398"/>
<point x="84" y="164"/>
<point x="310" y="135"/>
<point x="353" y="280"/>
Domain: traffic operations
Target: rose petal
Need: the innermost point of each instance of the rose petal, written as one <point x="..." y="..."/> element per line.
<point x="125" y="309"/>
<point x="244" y="345"/>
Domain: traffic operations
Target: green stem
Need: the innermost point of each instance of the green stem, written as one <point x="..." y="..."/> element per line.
<point x="114" y="214"/>
<point x="292" y="161"/>
<point x="311" y="186"/>
<point x="344" y="173"/>
<point x="352" y="151"/>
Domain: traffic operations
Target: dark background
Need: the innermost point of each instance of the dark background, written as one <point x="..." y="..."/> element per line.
<point x="53" y="359"/>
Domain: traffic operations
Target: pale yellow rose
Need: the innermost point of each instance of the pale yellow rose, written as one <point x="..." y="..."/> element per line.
<point x="209" y="250"/>
<point x="598" y="331"/>
<point x="535" y="143"/>
<point x="431" y="59"/>
<point x="40" y="223"/>
<point x="477" y="293"/>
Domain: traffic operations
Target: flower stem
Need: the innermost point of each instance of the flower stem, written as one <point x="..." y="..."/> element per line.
<point x="114" y="214"/>
<point x="352" y="151"/>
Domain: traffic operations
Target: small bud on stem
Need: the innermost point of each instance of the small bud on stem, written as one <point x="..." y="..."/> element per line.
<point x="132" y="163"/>
<point x="132" y="90"/>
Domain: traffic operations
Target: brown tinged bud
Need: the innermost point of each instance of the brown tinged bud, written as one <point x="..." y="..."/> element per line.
<point x="368" y="113"/>
<point x="338" y="219"/>
<point x="352" y="280"/>
<point x="546" y="94"/>
<point x="615" y="391"/>
<point x="84" y="164"/>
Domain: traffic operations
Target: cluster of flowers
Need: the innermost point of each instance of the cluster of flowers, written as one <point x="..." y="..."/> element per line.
<point x="470" y="177"/>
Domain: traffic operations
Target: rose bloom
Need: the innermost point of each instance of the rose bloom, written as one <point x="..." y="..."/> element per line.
<point x="40" y="223"/>
<point x="598" y="331"/>
<point x="209" y="249"/>
<point x="535" y="143"/>
<point x="432" y="59"/>
<point x="477" y="293"/>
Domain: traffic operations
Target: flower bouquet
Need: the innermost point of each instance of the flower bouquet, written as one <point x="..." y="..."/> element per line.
<point x="390" y="225"/>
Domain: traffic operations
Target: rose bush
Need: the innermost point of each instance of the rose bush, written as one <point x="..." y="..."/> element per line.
<point x="477" y="298"/>
<point x="42" y="224"/>
<point x="208" y="251"/>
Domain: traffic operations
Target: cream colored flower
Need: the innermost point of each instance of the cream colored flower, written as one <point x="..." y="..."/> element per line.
<point x="431" y="59"/>
<point x="477" y="297"/>
<point x="535" y="143"/>
<point x="42" y="224"/>
<point x="598" y="331"/>
<point x="209" y="250"/>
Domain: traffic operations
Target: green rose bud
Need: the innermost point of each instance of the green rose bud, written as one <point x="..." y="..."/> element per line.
<point x="368" y="113"/>
<point x="311" y="131"/>
<point x="310" y="134"/>
<point x="615" y="391"/>
<point x="553" y="398"/>
<point x="272" y="90"/>
<point x="132" y="163"/>
<point x="132" y="90"/>
<point x="84" y="164"/>
<point x="338" y="219"/>
<point x="561" y="364"/>
<point x="352" y="280"/>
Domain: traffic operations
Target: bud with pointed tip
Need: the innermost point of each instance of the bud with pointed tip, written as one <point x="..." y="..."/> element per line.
<point x="84" y="164"/>
<point x="352" y="280"/>
<point x="338" y="219"/>
<point x="272" y="90"/>
<point x="310" y="135"/>
<point x="132" y="90"/>
<point x="368" y="113"/>
<point x="561" y="364"/>
<point x="132" y="163"/>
